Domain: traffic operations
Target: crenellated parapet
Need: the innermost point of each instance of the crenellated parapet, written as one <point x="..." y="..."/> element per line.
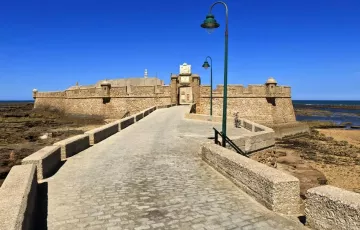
<point x="250" y="91"/>
<point x="107" y="92"/>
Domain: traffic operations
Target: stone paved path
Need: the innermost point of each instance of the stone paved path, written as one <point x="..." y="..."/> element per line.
<point x="149" y="176"/>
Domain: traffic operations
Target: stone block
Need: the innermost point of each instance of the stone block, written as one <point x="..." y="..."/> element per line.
<point x="146" y="112"/>
<point x="276" y="190"/>
<point x="329" y="207"/>
<point x="73" y="145"/>
<point x="102" y="132"/>
<point x="139" y="116"/>
<point x="18" y="198"/>
<point x="124" y="123"/>
<point x="47" y="161"/>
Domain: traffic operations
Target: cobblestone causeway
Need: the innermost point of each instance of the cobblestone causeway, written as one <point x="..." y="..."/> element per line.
<point x="149" y="176"/>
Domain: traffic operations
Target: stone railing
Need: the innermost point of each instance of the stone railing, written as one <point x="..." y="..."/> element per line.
<point x="328" y="207"/>
<point x="276" y="190"/>
<point x="18" y="193"/>
<point x="260" y="137"/>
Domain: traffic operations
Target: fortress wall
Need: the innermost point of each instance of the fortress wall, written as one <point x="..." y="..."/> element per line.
<point x="251" y="102"/>
<point x="89" y="101"/>
<point x="283" y="111"/>
<point x="254" y="109"/>
<point x="241" y="91"/>
<point x="50" y="99"/>
<point x="118" y="91"/>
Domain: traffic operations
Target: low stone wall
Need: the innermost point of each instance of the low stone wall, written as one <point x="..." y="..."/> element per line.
<point x="261" y="137"/>
<point x="165" y="106"/>
<point x="73" y="145"/>
<point x="203" y="117"/>
<point x="276" y="190"/>
<point x="124" y="123"/>
<point x="283" y="130"/>
<point x="18" y="198"/>
<point x="139" y="116"/>
<point x="328" y="207"/>
<point x="103" y="132"/>
<point x="47" y="161"/>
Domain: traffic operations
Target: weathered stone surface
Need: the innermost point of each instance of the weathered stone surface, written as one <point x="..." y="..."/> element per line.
<point x="103" y="132"/>
<point x="124" y="123"/>
<point x="329" y="207"/>
<point x="275" y="189"/>
<point x="139" y="116"/>
<point x="47" y="161"/>
<point x="73" y="145"/>
<point x="282" y="130"/>
<point x="18" y="198"/>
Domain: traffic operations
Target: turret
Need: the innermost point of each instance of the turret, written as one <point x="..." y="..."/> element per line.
<point x="271" y="87"/>
<point x="34" y="92"/>
<point x="105" y="86"/>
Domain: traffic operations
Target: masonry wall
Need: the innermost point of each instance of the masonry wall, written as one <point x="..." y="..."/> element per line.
<point x="90" y="101"/>
<point x="252" y="103"/>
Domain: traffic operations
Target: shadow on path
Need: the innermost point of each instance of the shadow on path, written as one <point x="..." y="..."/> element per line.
<point x="41" y="207"/>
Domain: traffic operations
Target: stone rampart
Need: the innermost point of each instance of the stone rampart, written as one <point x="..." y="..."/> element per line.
<point x="92" y="101"/>
<point x="252" y="91"/>
<point x="252" y="102"/>
<point x="273" y="188"/>
<point x="328" y="207"/>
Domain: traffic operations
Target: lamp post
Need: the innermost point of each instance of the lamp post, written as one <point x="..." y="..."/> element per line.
<point x="210" y="24"/>
<point x="206" y="65"/>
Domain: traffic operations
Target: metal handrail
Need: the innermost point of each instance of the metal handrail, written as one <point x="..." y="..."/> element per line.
<point x="229" y="141"/>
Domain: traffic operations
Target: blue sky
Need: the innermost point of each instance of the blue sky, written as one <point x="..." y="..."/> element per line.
<point x="311" y="45"/>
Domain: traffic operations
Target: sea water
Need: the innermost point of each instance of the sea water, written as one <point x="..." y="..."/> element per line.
<point x="337" y="115"/>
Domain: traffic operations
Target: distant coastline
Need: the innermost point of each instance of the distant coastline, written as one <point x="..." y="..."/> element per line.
<point x="15" y="101"/>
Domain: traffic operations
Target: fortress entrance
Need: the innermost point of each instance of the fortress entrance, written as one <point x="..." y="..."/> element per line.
<point x="185" y="95"/>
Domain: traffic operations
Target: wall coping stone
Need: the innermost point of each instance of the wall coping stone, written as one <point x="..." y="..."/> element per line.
<point x="71" y="139"/>
<point x="47" y="160"/>
<point x="41" y="154"/>
<point x="328" y="207"/>
<point x="276" y="190"/>
<point x="73" y="145"/>
<point x="18" y="198"/>
<point x="95" y="130"/>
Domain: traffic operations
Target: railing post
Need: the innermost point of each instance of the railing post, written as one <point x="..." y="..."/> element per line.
<point x="216" y="137"/>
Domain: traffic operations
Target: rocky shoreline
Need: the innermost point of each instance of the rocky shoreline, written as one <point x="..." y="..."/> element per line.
<point x="24" y="131"/>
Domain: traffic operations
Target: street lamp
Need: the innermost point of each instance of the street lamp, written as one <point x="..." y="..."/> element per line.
<point x="206" y="65"/>
<point x="210" y="24"/>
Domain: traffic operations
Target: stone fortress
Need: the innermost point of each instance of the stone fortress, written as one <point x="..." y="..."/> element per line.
<point x="111" y="163"/>
<point x="268" y="104"/>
